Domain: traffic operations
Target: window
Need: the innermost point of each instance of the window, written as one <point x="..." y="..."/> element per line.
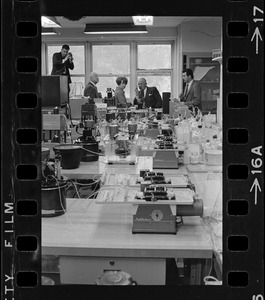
<point x="162" y="83"/>
<point x="154" y="64"/>
<point x="154" y="56"/>
<point x="135" y="59"/>
<point x="78" y="73"/>
<point x="111" y="61"/>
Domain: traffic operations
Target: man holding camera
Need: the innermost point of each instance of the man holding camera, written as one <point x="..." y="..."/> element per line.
<point x="62" y="62"/>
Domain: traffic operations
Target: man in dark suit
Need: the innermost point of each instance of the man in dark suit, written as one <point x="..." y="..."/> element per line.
<point x="147" y="96"/>
<point x="192" y="91"/>
<point x="91" y="89"/>
<point x="62" y="62"/>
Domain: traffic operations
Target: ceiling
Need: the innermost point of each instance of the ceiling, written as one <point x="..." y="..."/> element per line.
<point x="158" y="21"/>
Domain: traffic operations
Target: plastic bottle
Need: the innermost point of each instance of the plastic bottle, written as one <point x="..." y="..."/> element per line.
<point x="207" y="145"/>
<point x="202" y="133"/>
<point x="193" y="127"/>
<point x="150" y="112"/>
<point x="214" y="142"/>
<point x="195" y="135"/>
<point x="202" y="141"/>
<point x="69" y="137"/>
<point x="180" y="117"/>
<point x="186" y="130"/>
<point x="198" y="137"/>
<point x="102" y="127"/>
<point x="180" y="133"/>
<point x="186" y="159"/>
<point x="176" y="129"/>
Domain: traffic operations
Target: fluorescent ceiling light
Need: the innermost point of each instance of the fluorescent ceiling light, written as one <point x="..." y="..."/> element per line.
<point x="48" y="31"/>
<point x="114" y="28"/>
<point x="48" y="22"/>
<point x="143" y="20"/>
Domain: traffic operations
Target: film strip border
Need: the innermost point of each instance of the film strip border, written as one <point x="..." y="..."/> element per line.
<point x="21" y="152"/>
<point x="243" y="150"/>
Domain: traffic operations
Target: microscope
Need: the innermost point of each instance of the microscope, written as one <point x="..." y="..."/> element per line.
<point x="110" y="99"/>
<point x="88" y="138"/>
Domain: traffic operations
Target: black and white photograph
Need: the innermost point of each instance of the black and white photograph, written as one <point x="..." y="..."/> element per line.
<point x="131" y="150"/>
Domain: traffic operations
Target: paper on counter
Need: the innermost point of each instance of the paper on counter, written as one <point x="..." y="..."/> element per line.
<point x="200" y="72"/>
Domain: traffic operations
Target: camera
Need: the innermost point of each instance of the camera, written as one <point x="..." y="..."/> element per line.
<point x="70" y="56"/>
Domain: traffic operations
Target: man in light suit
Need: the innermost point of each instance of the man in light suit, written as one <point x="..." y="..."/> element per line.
<point x="192" y="92"/>
<point x="147" y="96"/>
<point x="91" y="90"/>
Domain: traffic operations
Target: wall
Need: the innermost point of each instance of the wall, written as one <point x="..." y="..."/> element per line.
<point x="196" y="35"/>
<point x="74" y="34"/>
<point x="201" y="36"/>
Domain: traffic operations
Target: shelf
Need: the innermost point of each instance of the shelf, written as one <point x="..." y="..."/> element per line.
<point x="208" y="81"/>
<point x="203" y="64"/>
<point x="219" y="59"/>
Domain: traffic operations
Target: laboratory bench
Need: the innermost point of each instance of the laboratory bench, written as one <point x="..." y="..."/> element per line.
<point x="91" y="238"/>
<point x="88" y="170"/>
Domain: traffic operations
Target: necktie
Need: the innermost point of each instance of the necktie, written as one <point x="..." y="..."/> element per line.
<point x="186" y="90"/>
<point x="96" y="89"/>
<point x="142" y="98"/>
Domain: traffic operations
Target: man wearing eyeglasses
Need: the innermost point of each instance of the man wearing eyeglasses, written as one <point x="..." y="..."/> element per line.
<point x="146" y="96"/>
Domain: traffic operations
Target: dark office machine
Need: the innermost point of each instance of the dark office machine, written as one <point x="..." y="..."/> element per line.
<point x="166" y="155"/>
<point x="153" y="216"/>
<point x="159" y="206"/>
<point x="165" y="103"/>
<point x="161" y="200"/>
<point x="54" y="91"/>
<point x="165" y="159"/>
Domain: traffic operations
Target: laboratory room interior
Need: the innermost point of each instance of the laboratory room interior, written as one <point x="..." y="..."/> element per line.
<point x="131" y="184"/>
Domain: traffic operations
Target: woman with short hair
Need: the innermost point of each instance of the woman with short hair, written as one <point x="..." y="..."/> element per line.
<point x="119" y="92"/>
